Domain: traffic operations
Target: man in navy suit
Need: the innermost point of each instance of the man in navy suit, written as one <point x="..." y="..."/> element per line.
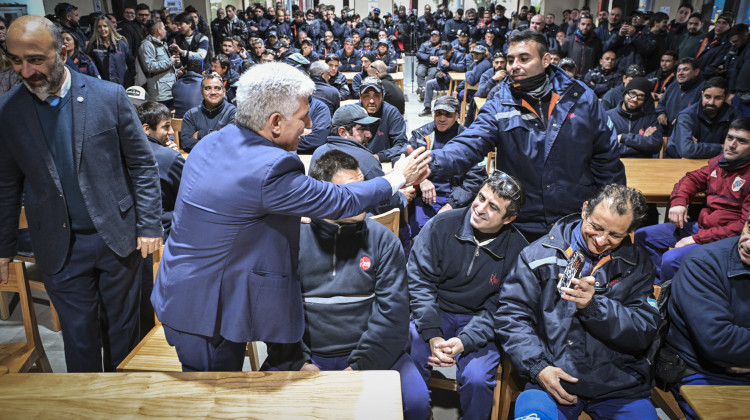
<point x="228" y="274"/>
<point x="73" y="145"/>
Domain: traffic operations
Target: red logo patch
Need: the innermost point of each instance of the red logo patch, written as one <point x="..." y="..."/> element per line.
<point x="571" y="115"/>
<point x="364" y="263"/>
<point x="380" y="133"/>
<point x="641" y="132"/>
<point x="494" y="280"/>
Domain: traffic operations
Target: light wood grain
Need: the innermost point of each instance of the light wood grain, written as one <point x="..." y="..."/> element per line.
<point x="655" y="178"/>
<point x="456" y="79"/>
<point x="277" y="395"/>
<point x="152" y="354"/>
<point x="718" y="402"/>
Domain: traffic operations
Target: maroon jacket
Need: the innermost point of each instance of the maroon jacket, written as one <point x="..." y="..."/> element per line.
<point x="727" y="199"/>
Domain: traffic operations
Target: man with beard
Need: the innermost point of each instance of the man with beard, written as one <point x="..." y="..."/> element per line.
<point x="373" y="23"/>
<point x="638" y="132"/>
<point x="213" y="114"/>
<point x="91" y="194"/>
<point x="701" y="128"/>
<point x="584" y="46"/>
<point x="612" y="27"/>
<point x="715" y="46"/>
<point x="723" y="181"/>
<point x="561" y="151"/>
<point x="680" y="95"/>
<point x="661" y="78"/>
<point x="690" y="42"/>
<point x="389" y="136"/>
<point x="232" y="25"/>
<point x="604" y="77"/>
<point x="613" y="97"/>
<point x="258" y="24"/>
<point x="67" y="15"/>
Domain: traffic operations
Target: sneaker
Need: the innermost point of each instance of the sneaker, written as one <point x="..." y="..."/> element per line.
<point x="425" y="112"/>
<point x="421" y="95"/>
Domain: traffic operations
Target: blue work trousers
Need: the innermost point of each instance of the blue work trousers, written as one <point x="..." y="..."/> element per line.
<point x="657" y="240"/>
<point x="607" y="409"/>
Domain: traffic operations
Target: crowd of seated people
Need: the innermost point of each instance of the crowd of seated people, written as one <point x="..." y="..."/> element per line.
<point x="465" y="282"/>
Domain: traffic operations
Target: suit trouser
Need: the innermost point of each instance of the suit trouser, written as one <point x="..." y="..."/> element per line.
<point x="475" y="371"/>
<point x="199" y="353"/>
<point x="96" y="295"/>
<point x="414" y="394"/>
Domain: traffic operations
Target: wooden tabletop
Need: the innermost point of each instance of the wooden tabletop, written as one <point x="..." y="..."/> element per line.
<point x="456" y="79"/>
<point x="656" y="177"/>
<point x="718" y="402"/>
<point x="479" y="102"/>
<point x="232" y="395"/>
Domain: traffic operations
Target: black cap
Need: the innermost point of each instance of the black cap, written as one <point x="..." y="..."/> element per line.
<point x="352" y="114"/>
<point x="639" y="83"/>
<point x="370" y="56"/>
<point x="445" y="48"/>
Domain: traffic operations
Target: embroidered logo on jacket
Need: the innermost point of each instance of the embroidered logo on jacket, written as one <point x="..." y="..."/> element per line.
<point x="494" y="280"/>
<point x="364" y="262"/>
<point x="737" y="183"/>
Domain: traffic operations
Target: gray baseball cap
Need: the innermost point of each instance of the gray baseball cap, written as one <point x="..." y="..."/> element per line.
<point x="351" y="114"/>
<point x="446" y="103"/>
<point x="371" y="82"/>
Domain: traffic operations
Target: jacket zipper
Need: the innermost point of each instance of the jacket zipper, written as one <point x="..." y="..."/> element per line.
<point x="471" y="265"/>
<point x="335" y="236"/>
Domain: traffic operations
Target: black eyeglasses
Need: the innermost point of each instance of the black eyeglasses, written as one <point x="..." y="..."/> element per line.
<point x="632" y="95"/>
<point x="509" y="185"/>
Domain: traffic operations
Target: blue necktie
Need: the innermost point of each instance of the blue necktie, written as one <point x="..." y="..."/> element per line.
<point x="52" y="100"/>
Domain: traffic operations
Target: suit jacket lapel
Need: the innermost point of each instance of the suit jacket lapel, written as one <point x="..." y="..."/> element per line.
<point x="34" y="135"/>
<point x="80" y="105"/>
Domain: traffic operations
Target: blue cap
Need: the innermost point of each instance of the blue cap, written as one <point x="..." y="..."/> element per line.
<point x="376" y="11"/>
<point x="535" y="404"/>
<point x="435" y="32"/>
<point x="387" y="14"/>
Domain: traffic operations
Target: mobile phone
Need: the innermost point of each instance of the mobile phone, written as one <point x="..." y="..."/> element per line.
<point x="572" y="271"/>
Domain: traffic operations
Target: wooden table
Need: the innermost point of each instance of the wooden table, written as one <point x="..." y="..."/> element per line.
<point x="456" y="79"/>
<point x="400" y="64"/>
<point x="718" y="402"/>
<point x="656" y="177"/>
<point x="232" y="395"/>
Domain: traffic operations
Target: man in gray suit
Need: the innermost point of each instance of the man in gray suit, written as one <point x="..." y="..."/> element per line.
<point x="75" y="148"/>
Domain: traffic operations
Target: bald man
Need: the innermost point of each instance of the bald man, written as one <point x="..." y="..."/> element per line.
<point x="75" y="147"/>
<point x="393" y="94"/>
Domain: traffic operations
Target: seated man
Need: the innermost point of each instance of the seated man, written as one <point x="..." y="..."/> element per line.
<point x="388" y="137"/>
<point x="221" y="66"/>
<point x="428" y="57"/>
<point x="393" y="93"/>
<point x="323" y="91"/>
<point x="727" y="199"/>
<point x="437" y="196"/>
<point x="337" y="80"/>
<point x="662" y="77"/>
<point x="186" y="91"/>
<point x="585" y="344"/>
<point x="213" y="114"/>
<point x="710" y="346"/>
<point x="320" y="115"/>
<point x="349" y="56"/>
<point x="386" y="55"/>
<point x="680" y="95"/>
<point x="356" y="310"/>
<point x="638" y="131"/>
<point x="366" y="58"/>
<point x="701" y="128"/>
<point x="450" y="60"/>
<point x="613" y="97"/>
<point x="455" y="270"/>
<point x="605" y="76"/>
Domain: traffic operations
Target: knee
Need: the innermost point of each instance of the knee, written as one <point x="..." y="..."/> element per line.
<point x="476" y="377"/>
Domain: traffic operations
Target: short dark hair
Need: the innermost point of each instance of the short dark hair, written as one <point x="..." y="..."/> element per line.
<point x="228" y="38"/>
<point x="152" y="113"/>
<point x="558" y="52"/>
<point x="696" y="15"/>
<point x="332" y="57"/>
<point x="195" y="65"/>
<point x="185" y="17"/>
<point x="331" y="163"/>
<point x="635" y="70"/>
<point x="503" y="185"/>
<point x="621" y="200"/>
<point x="738" y="29"/>
<point x="230" y="6"/>
<point x="152" y="25"/>
<point x="529" y="35"/>
<point x="222" y="59"/>
<point x="716" y="82"/>
<point x="62" y="9"/>
<point x="686" y="4"/>
<point x="693" y="62"/>
<point x="671" y="53"/>
<point x="742" y="123"/>
<point x="659" y="17"/>
<point x="142" y="6"/>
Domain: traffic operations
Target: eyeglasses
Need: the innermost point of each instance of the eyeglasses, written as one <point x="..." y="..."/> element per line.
<point x="632" y="95"/>
<point x="128" y="13"/>
<point x="509" y="185"/>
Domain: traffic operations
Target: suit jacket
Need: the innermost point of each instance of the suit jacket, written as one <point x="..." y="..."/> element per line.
<point x="116" y="172"/>
<point x="229" y="267"/>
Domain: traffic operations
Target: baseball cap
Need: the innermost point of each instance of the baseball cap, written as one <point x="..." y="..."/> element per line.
<point x="446" y="103"/>
<point x="387" y="14"/>
<point x="382" y="41"/>
<point x="136" y="94"/>
<point x="479" y="49"/>
<point x="371" y="82"/>
<point x="307" y="39"/>
<point x="352" y="114"/>
<point x="462" y="33"/>
<point x="435" y="32"/>
<point x="376" y="11"/>
<point x="272" y="34"/>
<point x="567" y="63"/>
<point x="445" y="48"/>
<point x="535" y="404"/>
<point x="370" y="56"/>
